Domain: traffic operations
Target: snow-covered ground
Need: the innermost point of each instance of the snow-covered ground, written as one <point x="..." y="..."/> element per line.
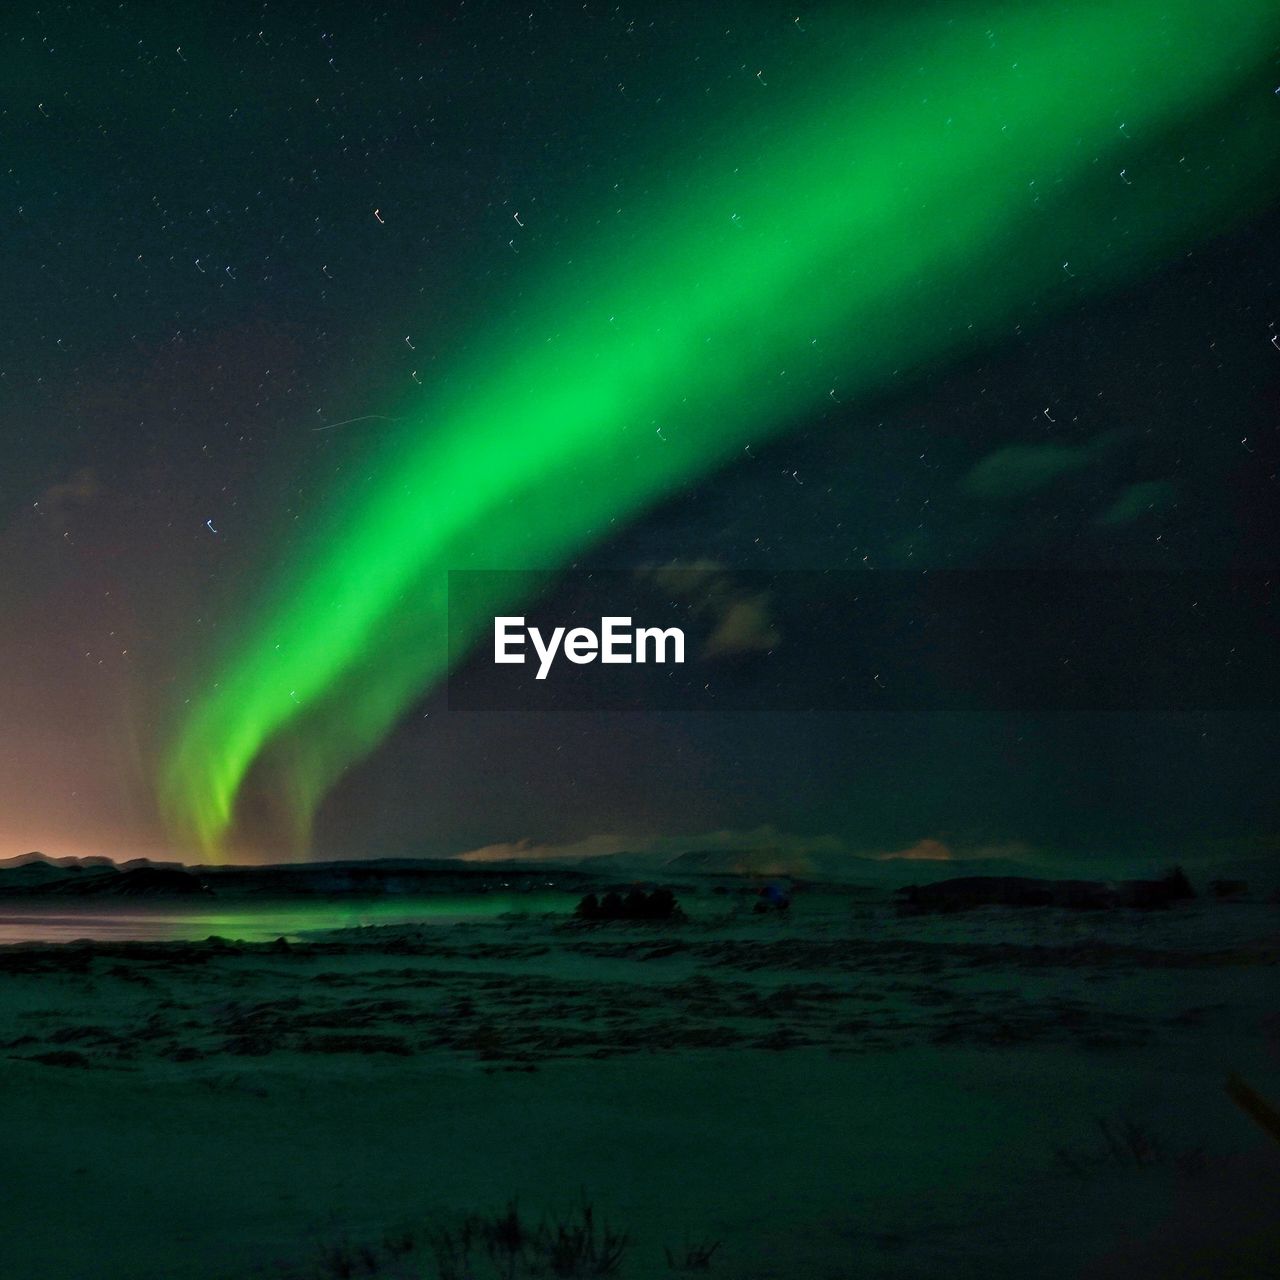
<point x="839" y="1092"/>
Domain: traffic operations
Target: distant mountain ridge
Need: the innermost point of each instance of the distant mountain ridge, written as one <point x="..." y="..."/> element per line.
<point x="37" y="875"/>
<point x="36" y="858"/>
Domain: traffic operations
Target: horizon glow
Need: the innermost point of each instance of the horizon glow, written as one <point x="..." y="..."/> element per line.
<point x="908" y="206"/>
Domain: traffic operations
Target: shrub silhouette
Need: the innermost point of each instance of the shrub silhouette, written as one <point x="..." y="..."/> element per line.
<point x="696" y="1257"/>
<point x="661" y="904"/>
<point x="575" y="1246"/>
<point x="635" y="906"/>
<point x="1228" y="888"/>
<point x="1123" y="1145"/>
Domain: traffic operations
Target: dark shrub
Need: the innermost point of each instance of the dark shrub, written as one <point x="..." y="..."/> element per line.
<point x="1228" y="888"/>
<point x="662" y="904"/>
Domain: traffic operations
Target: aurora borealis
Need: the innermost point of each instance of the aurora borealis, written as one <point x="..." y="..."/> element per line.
<point x="910" y="203"/>
<point x="308" y="311"/>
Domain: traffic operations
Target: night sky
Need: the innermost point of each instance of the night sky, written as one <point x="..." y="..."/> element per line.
<point x="307" y="307"/>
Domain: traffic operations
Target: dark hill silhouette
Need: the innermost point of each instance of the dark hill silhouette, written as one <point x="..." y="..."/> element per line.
<point x="138" y="882"/>
<point x="35" y="859"/>
<point x="141" y="882"/>
<point x="966" y="892"/>
<point x="34" y="875"/>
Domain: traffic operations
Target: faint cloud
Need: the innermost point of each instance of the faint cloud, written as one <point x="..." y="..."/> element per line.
<point x="744" y="627"/>
<point x="1138" y="500"/>
<point x="738" y="621"/>
<point x="685" y="577"/>
<point x="762" y="850"/>
<point x="927" y="850"/>
<point x="931" y="850"/>
<point x="528" y="850"/>
<point x="1019" y="470"/>
<point x="58" y="501"/>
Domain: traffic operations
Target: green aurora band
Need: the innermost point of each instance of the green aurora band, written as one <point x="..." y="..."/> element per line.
<point x="915" y="202"/>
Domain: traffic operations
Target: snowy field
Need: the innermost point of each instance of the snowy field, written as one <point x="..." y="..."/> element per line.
<point x="838" y="1092"/>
